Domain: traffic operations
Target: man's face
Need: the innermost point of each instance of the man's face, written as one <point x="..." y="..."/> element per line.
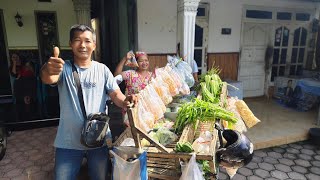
<point x="82" y="45"/>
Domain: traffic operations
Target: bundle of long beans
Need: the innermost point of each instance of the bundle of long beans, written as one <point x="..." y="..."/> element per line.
<point x="201" y="110"/>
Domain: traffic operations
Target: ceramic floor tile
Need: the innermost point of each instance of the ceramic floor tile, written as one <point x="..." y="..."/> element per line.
<point x="279" y="125"/>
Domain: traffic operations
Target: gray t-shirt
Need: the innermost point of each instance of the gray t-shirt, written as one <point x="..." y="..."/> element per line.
<point x="96" y="81"/>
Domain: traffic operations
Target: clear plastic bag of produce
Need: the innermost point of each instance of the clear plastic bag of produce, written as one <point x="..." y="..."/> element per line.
<point x="183" y="67"/>
<point x="189" y="79"/>
<point x="202" y="143"/>
<point x="165" y="136"/>
<point x="175" y="61"/>
<point x="166" y="123"/>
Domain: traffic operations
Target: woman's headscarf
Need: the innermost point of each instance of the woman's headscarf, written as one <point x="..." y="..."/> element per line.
<point x="140" y="53"/>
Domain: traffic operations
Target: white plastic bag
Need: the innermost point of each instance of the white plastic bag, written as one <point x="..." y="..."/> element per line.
<point x="202" y="143"/>
<point x="129" y="170"/>
<point x="192" y="171"/>
<point x="128" y="142"/>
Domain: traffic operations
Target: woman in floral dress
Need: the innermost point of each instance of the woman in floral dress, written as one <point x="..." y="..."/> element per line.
<point x="137" y="79"/>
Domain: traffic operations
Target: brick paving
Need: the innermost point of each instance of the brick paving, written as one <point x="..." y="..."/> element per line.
<point x="299" y="160"/>
<point x="30" y="155"/>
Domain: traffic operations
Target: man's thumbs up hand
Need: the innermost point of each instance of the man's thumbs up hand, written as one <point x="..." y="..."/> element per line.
<point x="56" y="52"/>
<point x="55" y="64"/>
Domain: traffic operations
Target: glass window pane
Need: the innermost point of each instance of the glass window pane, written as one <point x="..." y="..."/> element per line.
<point x="285" y="36"/>
<point x="284" y="16"/>
<point x="282" y="70"/>
<point x="296" y="37"/>
<point x="283" y="56"/>
<point x="259" y="14"/>
<point x="303" y="37"/>
<point x="274" y="72"/>
<point x="201" y="12"/>
<point x="198" y="36"/>
<point x="302" y="16"/>
<point x="294" y="55"/>
<point x="275" y="56"/>
<point x="198" y="56"/>
<point x="299" y="70"/>
<point x="301" y="55"/>
<point x="277" y="36"/>
<point x="292" y="70"/>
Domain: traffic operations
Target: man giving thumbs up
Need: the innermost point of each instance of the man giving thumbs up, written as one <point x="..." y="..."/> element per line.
<point x="96" y="82"/>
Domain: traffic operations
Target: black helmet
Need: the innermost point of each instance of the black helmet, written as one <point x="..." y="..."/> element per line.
<point x="237" y="152"/>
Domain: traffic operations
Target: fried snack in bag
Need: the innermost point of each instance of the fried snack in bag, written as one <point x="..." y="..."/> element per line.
<point x="145" y="119"/>
<point x="173" y="89"/>
<point x="153" y="103"/>
<point x="184" y="89"/>
<point x="248" y="117"/>
<point x="239" y="125"/>
<point x="132" y="62"/>
<point x="162" y="90"/>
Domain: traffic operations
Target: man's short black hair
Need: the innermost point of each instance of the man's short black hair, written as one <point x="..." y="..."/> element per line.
<point x="82" y="28"/>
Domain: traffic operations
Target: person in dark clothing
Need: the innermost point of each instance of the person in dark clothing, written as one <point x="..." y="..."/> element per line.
<point x="24" y="86"/>
<point x="288" y="94"/>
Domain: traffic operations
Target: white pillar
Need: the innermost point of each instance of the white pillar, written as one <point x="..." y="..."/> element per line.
<point x="82" y="10"/>
<point x="187" y="12"/>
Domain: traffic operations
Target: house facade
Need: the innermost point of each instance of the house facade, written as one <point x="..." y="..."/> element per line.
<point x="251" y="41"/>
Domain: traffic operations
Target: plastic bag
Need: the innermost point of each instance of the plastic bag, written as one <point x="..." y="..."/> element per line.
<point x="165" y="136"/>
<point x="132" y="62"/>
<point x="189" y="79"/>
<point x="175" y="76"/>
<point x="192" y="170"/>
<point x="231" y="172"/>
<point x="152" y="102"/>
<point x="173" y="89"/>
<point x="145" y="120"/>
<point x="155" y="98"/>
<point x="246" y="114"/>
<point x="180" y="78"/>
<point x="202" y="143"/>
<point x="239" y="125"/>
<point x="127" y="142"/>
<point x="183" y="67"/>
<point x="162" y="90"/>
<point x="129" y="164"/>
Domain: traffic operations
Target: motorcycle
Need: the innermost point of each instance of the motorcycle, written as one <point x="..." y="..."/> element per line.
<point x="3" y="142"/>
